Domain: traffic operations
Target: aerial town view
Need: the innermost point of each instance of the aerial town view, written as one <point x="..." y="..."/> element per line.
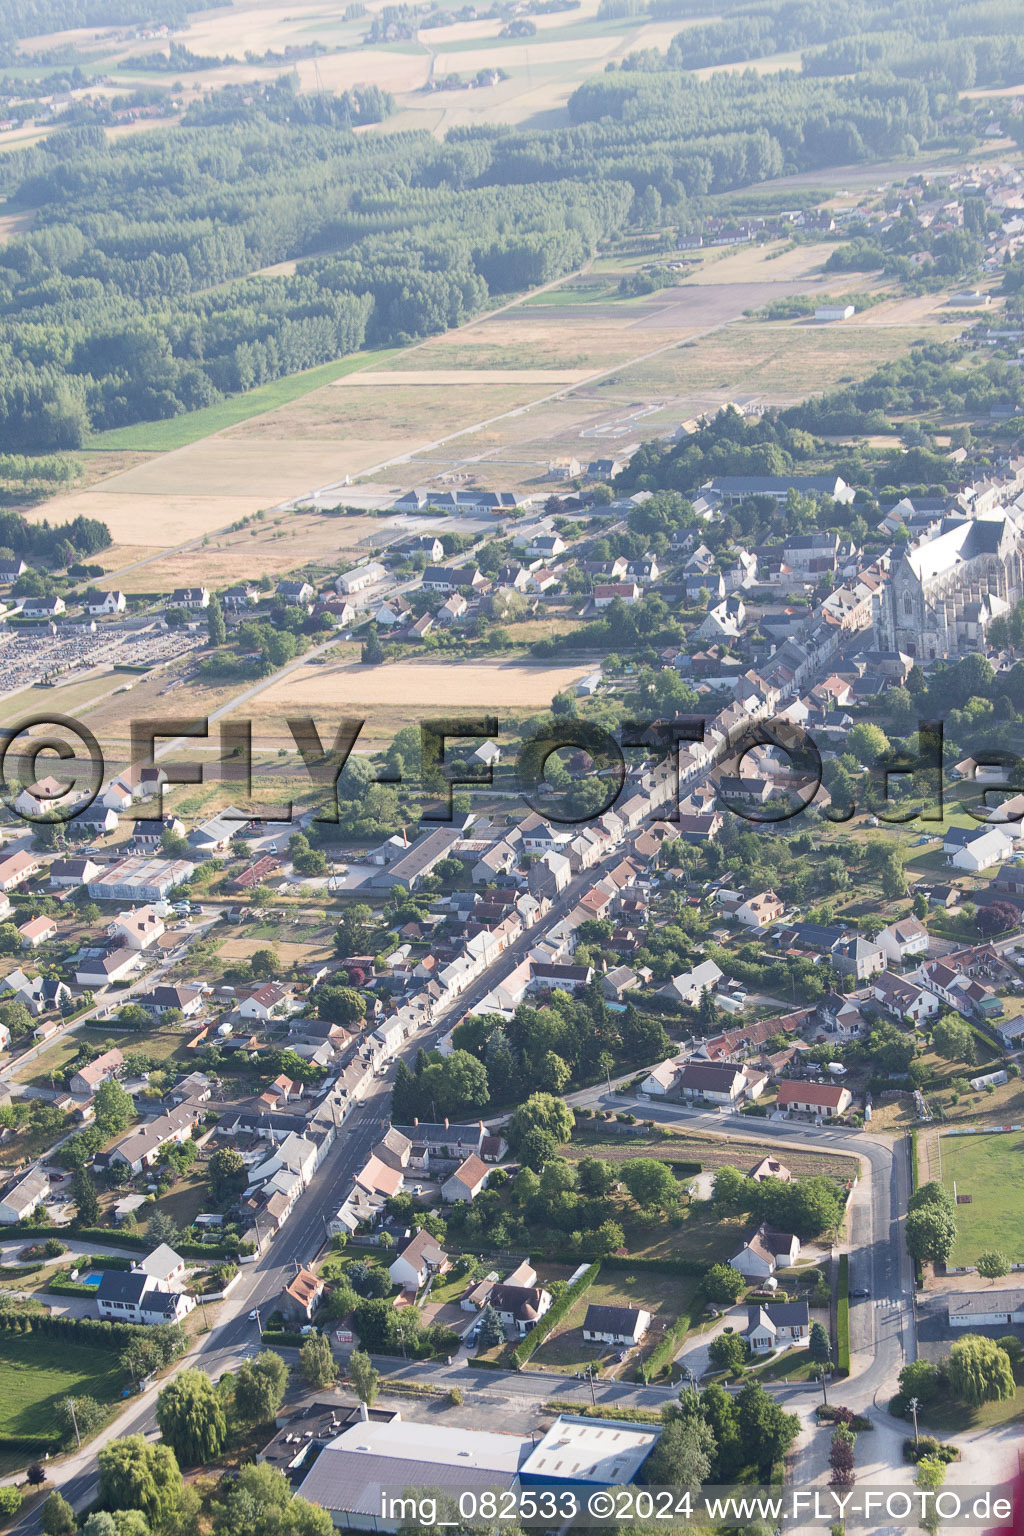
<point x="511" y="767"/>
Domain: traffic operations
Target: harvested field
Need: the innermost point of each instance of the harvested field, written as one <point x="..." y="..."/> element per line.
<point x="498" y="684"/>
<point x="771" y="263"/>
<point x="392" y="377"/>
<point x="231" y="466"/>
<point x="170" y="518"/>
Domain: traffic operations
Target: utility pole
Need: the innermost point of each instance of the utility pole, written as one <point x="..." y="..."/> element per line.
<point x="914" y="1405"/>
<point x="259" y="1321"/>
<point x="590" y="1378"/>
<point x="74" y="1420"/>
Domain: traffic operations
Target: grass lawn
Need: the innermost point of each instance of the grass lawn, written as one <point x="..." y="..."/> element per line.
<point x="989" y="1169"/>
<point x="791" y="1365"/>
<point x="709" y="1150"/>
<point x="664" y="1296"/>
<point x="38" y="1372"/>
<point x="179" y="431"/>
<point x="949" y="1417"/>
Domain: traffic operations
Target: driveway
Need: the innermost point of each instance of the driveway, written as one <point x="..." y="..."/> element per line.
<point x="693" y="1356"/>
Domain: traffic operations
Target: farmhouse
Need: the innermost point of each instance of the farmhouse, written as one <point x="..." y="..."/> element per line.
<point x="467" y="1181"/>
<point x="88" y="1078"/>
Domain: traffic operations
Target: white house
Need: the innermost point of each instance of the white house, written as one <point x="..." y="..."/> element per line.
<point x="687" y="988"/>
<point x="903" y="939"/>
<point x="760" y="910"/>
<point x="986" y="1309"/>
<point x="361" y="577"/>
<point x="822" y="1099"/>
<point x="776" y="1325"/>
<point x="467" y="1181"/>
<point x="99" y="603"/>
<point x="418" y="1260"/>
<point x="136" y="929"/>
<point x="20" y="1197"/>
<point x="765" y="1252"/>
<point x="974" y="849"/>
<point x="623" y="1326"/>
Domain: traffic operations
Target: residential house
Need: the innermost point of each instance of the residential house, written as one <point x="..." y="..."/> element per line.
<point x="140" y="1148"/>
<point x="520" y="1307"/>
<point x="102" y="970"/>
<point x="20" y="1197"/>
<point x="622" y="1326"/>
<point x="822" y="1100"/>
<point x="976" y="848"/>
<point x="760" y="910"/>
<point x="192" y="598"/>
<point x="300" y="1297"/>
<point x="776" y="1325"/>
<point x="688" y="988"/>
<point x="131" y="1296"/>
<point x="765" y="1252"/>
<point x="88" y="1078"/>
<point x="718" y="1083"/>
<point x="37" y="931"/>
<point x="137" y="929"/>
<point x="422" y="1257"/>
<point x="469" y="1178"/>
<point x="69" y="874"/>
<point x="904" y="939"/>
<point x="858" y="957"/>
<point x="770" y="1168"/>
<point x="98" y="603"/>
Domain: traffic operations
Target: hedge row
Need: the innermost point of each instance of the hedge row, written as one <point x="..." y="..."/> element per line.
<point x="134" y="1240"/>
<point x="590" y="1411"/>
<point x="678" y="1266"/>
<point x="17" y="1271"/>
<point x="284" y="1336"/>
<point x="843" y="1316"/>
<point x="70" y="1288"/>
<point x="34" y="1445"/>
<point x="662" y="1355"/>
<point x="84" y="1330"/>
<point x="562" y="1307"/>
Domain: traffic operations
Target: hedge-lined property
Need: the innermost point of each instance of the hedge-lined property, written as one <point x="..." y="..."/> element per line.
<point x="561" y="1309"/>
<point x="843" y="1317"/>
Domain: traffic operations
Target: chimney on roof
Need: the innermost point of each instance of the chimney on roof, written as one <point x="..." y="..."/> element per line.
<point x="364" y="1412"/>
<point x="446" y="1122"/>
<point x="415" y="1120"/>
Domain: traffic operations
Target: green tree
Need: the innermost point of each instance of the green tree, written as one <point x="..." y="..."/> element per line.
<point x="57" y="1516"/>
<point x="10" y="1501"/>
<point x="953" y="1039"/>
<point x="316" y="1362"/>
<point x="372" y="651"/>
<point x="260" y="1502"/>
<point x="114" y="1108"/>
<point x="651" y="1183"/>
<point x="226" y="1170"/>
<point x="87" y="1204"/>
<point x="260" y="1387"/>
<point x="101" y="1523"/>
<point x="191" y="1418"/>
<point x="723" y="1284"/>
<point x="818" y="1344"/>
<point x="541" y="1111"/>
<point x="594" y="1177"/>
<point x="728" y="1352"/>
<point x="931" y="1473"/>
<point x="992" y="1265"/>
<point x="161" y="1228"/>
<point x="364" y="1376"/>
<point x="215" y="626"/>
<point x="920" y="1379"/>
<point x="979" y="1371"/>
<point x="137" y="1475"/>
<point x="682" y="1456"/>
<point x="766" y="1430"/>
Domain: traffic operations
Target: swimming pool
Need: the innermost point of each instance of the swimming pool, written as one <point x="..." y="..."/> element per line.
<point x="91" y="1280"/>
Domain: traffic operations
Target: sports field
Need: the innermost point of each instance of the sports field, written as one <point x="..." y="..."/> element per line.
<point x="989" y="1170"/>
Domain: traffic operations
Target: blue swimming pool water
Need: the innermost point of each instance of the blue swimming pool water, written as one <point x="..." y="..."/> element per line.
<point x="92" y="1280"/>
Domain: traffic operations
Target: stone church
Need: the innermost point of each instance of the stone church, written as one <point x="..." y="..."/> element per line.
<point x="943" y="594"/>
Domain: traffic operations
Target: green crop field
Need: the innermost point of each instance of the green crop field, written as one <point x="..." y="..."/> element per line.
<point x="989" y="1169"/>
<point x="179" y="431"/>
<point x="39" y="1371"/>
